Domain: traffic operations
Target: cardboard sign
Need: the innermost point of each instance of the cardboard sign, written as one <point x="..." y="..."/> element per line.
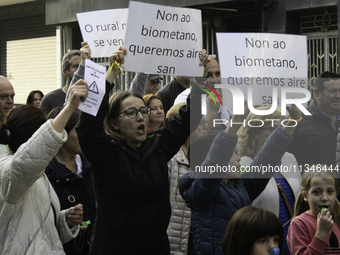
<point x="163" y="40"/>
<point x="103" y="30"/>
<point x="262" y="64"/>
<point x="95" y="78"/>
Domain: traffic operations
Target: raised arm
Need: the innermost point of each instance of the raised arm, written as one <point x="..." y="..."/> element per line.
<point x="201" y="190"/>
<point x="76" y="94"/>
<point x="115" y="57"/>
<point x="138" y="83"/>
<point x="93" y="140"/>
<point x="277" y="143"/>
<point x="29" y="162"/>
<point x="176" y="130"/>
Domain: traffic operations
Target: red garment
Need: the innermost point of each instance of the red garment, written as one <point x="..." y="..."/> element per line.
<point x="301" y="239"/>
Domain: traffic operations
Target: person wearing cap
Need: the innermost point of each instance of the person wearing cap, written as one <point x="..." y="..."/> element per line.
<point x="145" y="84"/>
<point x="152" y="84"/>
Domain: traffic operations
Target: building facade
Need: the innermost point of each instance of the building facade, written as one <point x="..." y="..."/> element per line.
<point x="36" y="34"/>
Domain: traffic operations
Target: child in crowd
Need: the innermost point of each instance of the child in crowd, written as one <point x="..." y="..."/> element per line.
<point x="251" y="231"/>
<point x="315" y="228"/>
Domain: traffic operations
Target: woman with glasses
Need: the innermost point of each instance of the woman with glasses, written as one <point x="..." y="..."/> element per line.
<point x="130" y="170"/>
<point x="282" y="189"/>
<point x="156" y="118"/>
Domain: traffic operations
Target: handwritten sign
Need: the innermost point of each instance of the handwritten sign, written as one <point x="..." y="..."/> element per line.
<point x="264" y="63"/>
<point x="95" y="78"/>
<point x="163" y="40"/>
<point x="103" y="30"/>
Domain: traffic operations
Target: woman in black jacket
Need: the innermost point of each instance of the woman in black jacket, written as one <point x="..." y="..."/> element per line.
<point x="130" y="169"/>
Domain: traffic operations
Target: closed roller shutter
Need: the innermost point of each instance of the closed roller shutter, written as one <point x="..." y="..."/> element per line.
<point x="28" y="52"/>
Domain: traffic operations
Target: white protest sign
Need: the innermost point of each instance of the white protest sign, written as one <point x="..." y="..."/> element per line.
<point x="103" y="30"/>
<point x="259" y="62"/>
<point x="95" y="78"/>
<point x="163" y="40"/>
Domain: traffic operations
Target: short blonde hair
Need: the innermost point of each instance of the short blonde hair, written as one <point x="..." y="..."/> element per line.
<point x="246" y="134"/>
<point x="149" y="97"/>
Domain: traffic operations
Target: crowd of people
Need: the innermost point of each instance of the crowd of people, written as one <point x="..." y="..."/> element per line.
<point x="126" y="181"/>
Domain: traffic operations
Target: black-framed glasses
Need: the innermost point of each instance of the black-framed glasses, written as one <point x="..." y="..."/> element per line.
<point x="132" y="112"/>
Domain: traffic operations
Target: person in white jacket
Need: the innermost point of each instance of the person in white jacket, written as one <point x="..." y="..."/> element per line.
<point x="30" y="218"/>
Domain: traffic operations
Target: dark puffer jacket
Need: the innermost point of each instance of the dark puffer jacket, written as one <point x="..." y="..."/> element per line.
<point x="314" y="139"/>
<point x="213" y="202"/>
<point x="73" y="190"/>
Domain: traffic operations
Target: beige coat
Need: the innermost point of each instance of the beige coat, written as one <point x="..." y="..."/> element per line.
<point x="179" y="226"/>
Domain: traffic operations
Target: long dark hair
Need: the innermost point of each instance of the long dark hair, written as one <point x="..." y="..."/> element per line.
<point x="247" y="226"/>
<point x="30" y="97"/>
<point x="20" y="125"/>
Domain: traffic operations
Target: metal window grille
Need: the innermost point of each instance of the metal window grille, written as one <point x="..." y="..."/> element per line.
<point x="320" y="26"/>
<point x="322" y="55"/>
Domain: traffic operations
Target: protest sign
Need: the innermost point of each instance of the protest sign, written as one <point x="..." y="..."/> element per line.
<point x="95" y="78"/>
<point x="163" y="40"/>
<point x="262" y="64"/>
<point x="103" y="30"/>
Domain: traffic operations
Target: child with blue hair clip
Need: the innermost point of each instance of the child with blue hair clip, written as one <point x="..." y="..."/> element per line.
<point x="253" y="231"/>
